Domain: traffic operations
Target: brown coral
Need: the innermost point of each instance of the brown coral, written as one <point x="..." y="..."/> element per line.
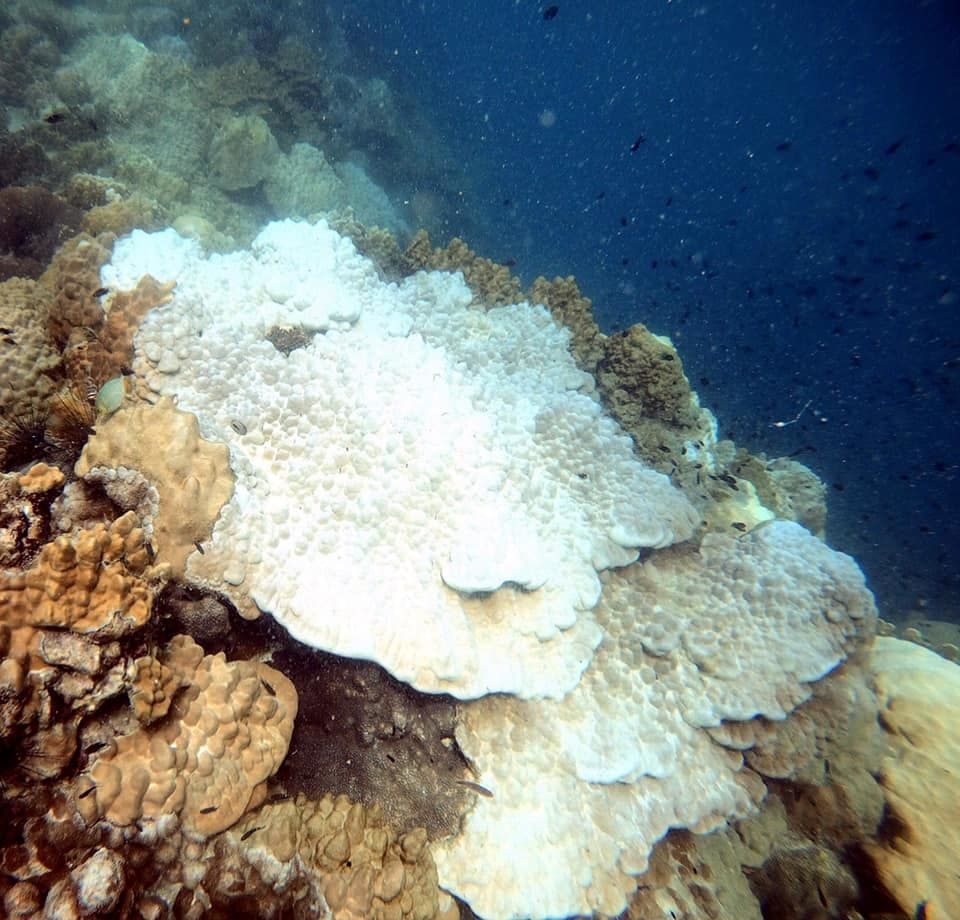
<point x="490" y="281"/>
<point x="642" y="378"/>
<point x="73" y="278"/>
<point x="28" y="364"/>
<point x="33" y="223"/>
<point x="94" y="580"/>
<point x="209" y="759"/>
<point x="153" y="689"/>
<point x="570" y="308"/>
<point x="353" y="861"/>
<point x="192" y="477"/>
<point x="40" y="478"/>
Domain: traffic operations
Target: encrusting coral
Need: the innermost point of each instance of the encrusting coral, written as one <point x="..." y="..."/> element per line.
<point x="28" y="363"/>
<point x="96" y="580"/>
<point x="208" y="759"/>
<point x="188" y="479"/>
<point x="347" y="861"/>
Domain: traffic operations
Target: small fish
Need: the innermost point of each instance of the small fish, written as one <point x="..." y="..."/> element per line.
<point x="250" y="832"/>
<point x="784" y="146"/>
<point x="238" y="427"/>
<point x="100" y="291"/>
<point x="872" y="173"/>
<point x="209" y="810"/>
<point x="87" y="792"/>
<point x="635" y="146"/>
<point x="151" y="552"/>
<point x="924" y="236"/>
<point x="894" y="147"/>
<point x="96" y="746"/>
<point x="199" y="547"/>
<point x="550" y="12"/>
<point x="54" y="118"/>
<point x="6" y="330"/>
<point x="268" y="687"/>
<point x="739" y="525"/>
<point x="920" y="913"/>
<point x="475" y="787"/>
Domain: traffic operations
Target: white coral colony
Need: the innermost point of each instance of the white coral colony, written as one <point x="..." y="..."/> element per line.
<point x="424" y="484"/>
<point x="436" y="487"/>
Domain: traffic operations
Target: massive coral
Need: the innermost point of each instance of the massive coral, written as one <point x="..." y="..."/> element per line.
<point x="458" y="453"/>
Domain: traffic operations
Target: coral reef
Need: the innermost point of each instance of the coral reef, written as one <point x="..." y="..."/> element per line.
<point x="919" y="693"/>
<point x="451" y="407"/>
<point x="225" y="733"/>
<point x="152" y="459"/>
<point x="33" y="223"/>
<point x="29" y="364"/>
<point x="706" y="652"/>
<point x="97" y="580"/>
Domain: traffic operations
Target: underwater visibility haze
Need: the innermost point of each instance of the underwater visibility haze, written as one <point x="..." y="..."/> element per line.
<point x="491" y="460"/>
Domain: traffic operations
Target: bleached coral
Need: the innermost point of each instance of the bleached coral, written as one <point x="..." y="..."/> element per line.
<point x="425" y="485"/>
<point x="583" y="787"/>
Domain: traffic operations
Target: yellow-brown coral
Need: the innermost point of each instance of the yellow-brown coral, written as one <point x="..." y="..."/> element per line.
<point x="570" y="308"/>
<point x="192" y="476"/>
<point x="208" y="760"/>
<point x="27" y="362"/>
<point x="92" y="580"/>
<point x="41" y="477"/>
<point x="363" y="869"/>
<point x="154" y="686"/>
<point x="490" y="281"/>
<point x="919" y="698"/>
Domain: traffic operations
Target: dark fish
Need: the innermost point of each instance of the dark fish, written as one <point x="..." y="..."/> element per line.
<point x="268" y="687"/>
<point x="507" y="203"/>
<point x="550" y="12"/>
<point x="920" y="913"/>
<point x="784" y="146"/>
<point x="635" y="146"/>
<point x="199" y="547"/>
<point x="624" y="222"/>
<point x="5" y="330"/>
<point x="100" y="291"/>
<point x="509" y="263"/>
<point x="54" y="118"/>
<point x="871" y="172"/>
<point x="924" y="236"/>
<point x="475" y="787"/>
<point x="739" y="525"/>
<point x="96" y="746"/>
<point x="87" y="792"/>
<point x="894" y="147"/>
<point x="250" y="832"/>
<point x="599" y="196"/>
<point x="209" y="810"/>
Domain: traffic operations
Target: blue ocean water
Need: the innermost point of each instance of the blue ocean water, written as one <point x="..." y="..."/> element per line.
<point x="775" y="186"/>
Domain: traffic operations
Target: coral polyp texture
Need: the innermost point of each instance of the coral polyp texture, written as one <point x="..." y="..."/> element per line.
<point x="694" y="639"/>
<point x="208" y="759"/>
<point x="424" y="484"/>
<point x="96" y="580"/>
<point x="431" y="483"/>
